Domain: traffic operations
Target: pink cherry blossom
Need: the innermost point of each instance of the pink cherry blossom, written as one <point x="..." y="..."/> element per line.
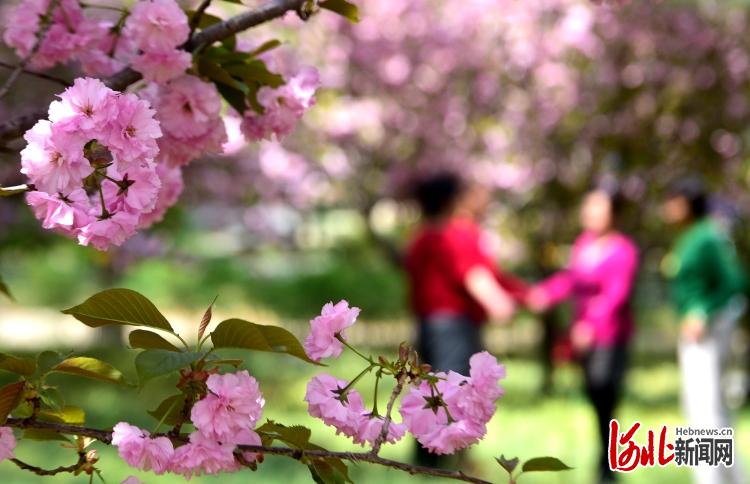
<point x="370" y="428"/>
<point x="248" y="437"/>
<point x="68" y="34"/>
<point x="134" y="130"/>
<point x="188" y="107"/>
<point x="162" y="66"/>
<point x="107" y="53"/>
<point x="131" y="480"/>
<point x="180" y="151"/>
<point x="7" y="443"/>
<point x="333" y="320"/>
<point x="470" y="401"/>
<point x="53" y="162"/>
<point x="21" y="25"/>
<point x="283" y="106"/>
<point x="139" y="450"/>
<point x="136" y="192"/>
<point x="157" y="25"/>
<point x="61" y="213"/>
<point x="324" y="402"/>
<point x="120" y="164"/>
<point x="105" y="232"/>
<point x="233" y="404"/>
<point x="87" y="105"/>
<point x="171" y="187"/>
<point x="203" y="455"/>
<point x="424" y="414"/>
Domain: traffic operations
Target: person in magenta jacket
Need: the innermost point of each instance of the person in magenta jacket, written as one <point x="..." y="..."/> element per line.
<point x="599" y="280"/>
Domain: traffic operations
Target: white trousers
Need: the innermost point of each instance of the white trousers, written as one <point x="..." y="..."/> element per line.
<point x="701" y="366"/>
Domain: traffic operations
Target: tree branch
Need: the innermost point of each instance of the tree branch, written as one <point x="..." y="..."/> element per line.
<point x="51" y="472"/>
<point x="196" y="20"/>
<point x="388" y="412"/>
<point x="40" y="75"/>
<point x="15" y="190"/>
<point x="105" y="436"/>
<point x="14" y="128"/>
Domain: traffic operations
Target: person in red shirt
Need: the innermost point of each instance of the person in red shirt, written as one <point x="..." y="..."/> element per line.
<point x="455" y="285"/>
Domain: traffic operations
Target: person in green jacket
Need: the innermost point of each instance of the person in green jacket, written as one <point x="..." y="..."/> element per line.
<point x="707" y="284"/>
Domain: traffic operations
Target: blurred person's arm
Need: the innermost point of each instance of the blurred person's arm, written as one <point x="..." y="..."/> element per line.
<point x="483" y="286"/>
<point x="556" y="288"/>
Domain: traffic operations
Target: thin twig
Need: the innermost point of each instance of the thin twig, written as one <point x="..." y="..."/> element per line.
<point x="101" y="435"/>
<point x="15" y="190"/>
<point x="51" y="472"/>
<point x="388" y="412"/>
<point x="196" y="20"/>
<point x="40" y="75"/>
<point x="14" y="128"/>
<point x="105" y="436"/>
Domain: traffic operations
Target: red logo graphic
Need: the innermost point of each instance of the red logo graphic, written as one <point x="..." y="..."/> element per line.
<point x="625" y="455"/>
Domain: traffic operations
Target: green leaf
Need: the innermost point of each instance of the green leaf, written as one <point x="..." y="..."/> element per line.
<point x="41" y="434"/>
<point x="228" y="361"/>
<point x="221" y="54"/>
<point x="295" y="436"/>
<point x="52" y="397"/>
<point x="46" y="360"/>
<point x="119" y="306"/>
<point x="508" y="464"/>
<point x="343" y="8"/>
<point x="170" y="410"/>
<point x="265" y="47"/>
<point x="89" y="368"/>
<point x="10" y="397"/>
<point x="152" y="363"/>
<point x="212" y="70"/>
<point x="234" y="97"/>
<point x="148" y="340"/>
<point x="206" y="19"/>
<point x="67" y="415"/>
<point x="19" y="366"/>
<point x="238" y="333"/>
<point x="326" y="471"/>
<point x="255" y="71"/>
<point x="540" y="464"/>
<point x="323" y="470"/>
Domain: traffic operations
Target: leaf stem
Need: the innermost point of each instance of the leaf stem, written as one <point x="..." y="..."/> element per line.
<point x="344" y="342"/>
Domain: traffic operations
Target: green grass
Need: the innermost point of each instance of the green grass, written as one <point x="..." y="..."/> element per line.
<point x="526" y="424"/>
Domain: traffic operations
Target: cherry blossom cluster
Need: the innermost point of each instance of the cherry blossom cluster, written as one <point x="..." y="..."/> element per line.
<point x="283" y="106"/>
<point x="68" y="33"/>
<point x="147" y="42"/>
<point x="156" y="28"/>
<point x="338" y="406"/>
<point x="189" y="112"/>
<point x="225" y="418"/>
<point x="446" y="412"/>
<point x="93" y="164"/>
<point x="7" y="443"/>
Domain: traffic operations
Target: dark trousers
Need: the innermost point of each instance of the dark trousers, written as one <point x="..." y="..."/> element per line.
<point x="604" y="375"/>
<point x="446" y="342"/>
